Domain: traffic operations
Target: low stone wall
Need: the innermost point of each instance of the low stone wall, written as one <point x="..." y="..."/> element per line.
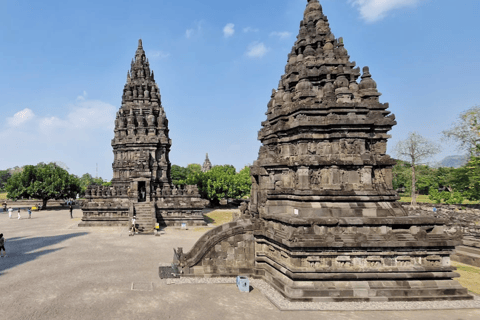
<point x="461" y="217"/>
<point x="456" y="214"/>
<point x="227" y="250"/>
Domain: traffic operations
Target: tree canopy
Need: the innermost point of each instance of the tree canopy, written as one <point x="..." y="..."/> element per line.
<point x="43" y="181"/>
<point x="4" y="176"/>
<point x="218" y="183"/>
<point x="466" y="131"/>
<point x="87" y="180"/>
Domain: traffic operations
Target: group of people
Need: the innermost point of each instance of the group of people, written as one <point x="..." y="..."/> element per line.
<point x="29" y="210"/>
<point x="10" y="212"/>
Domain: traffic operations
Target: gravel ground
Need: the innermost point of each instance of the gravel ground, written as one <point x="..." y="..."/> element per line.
<point x="283" y="304"/>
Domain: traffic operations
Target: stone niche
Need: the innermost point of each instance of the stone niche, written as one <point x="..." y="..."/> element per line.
<point x="141" y="183"/>
<point x="323" y="220"/>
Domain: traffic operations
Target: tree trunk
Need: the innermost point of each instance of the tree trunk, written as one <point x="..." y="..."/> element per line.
<point x="414" y="196"/>
<point x="44" y="204"/>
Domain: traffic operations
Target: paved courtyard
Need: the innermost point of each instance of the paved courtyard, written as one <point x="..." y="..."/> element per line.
<point x="56" y="270"/>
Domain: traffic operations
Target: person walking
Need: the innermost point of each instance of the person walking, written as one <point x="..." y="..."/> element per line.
<point x="133" y="228"/>
<point x="4" y="206"/>
<point x="10" y="211"/>
<point x="2" y="245"/>
<point x="29" y="213"/>
<point x="71" y="212"/>
<point x="18" y="212"/>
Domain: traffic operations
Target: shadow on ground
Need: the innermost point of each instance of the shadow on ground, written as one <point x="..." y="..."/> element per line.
<point x="208" y="219"/>
<point x="21" y="250"/>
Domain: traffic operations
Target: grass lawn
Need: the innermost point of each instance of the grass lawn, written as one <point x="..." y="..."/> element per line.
<point x="219" y="217"/>
<point x="469" y="276"/>
<point x="3" y="195"/>
<point x="420" y="198"/>
<point x="424" y="199"/>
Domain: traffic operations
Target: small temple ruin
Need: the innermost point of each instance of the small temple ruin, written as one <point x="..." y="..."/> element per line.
<point x="141" y="183"/>
<point x="323" y="222"/>
<point x="207" y="165"/>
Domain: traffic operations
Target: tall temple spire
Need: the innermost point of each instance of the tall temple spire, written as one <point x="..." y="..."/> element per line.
<point x="323" y="218"/>
<point x="141" y="168"/>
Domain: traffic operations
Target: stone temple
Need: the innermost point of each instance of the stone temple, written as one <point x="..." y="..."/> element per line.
<point x="207" y="165"/>
<point x="323" y="222"/>
<point x="141" y="181"/>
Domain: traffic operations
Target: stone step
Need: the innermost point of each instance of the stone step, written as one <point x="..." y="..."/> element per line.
<point x="469" y="249"/>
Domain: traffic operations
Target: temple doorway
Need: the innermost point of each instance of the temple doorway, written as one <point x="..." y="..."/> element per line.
<point x="142" y="191"/>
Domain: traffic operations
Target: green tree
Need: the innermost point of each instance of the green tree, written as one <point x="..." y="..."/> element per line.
<point x="402" y="176"/>
<point x="193" y="168"/>
<point x="426" y="179"/>
<point x="178" y="174"/>
<point x="466" y="179"/>
<point x="4" y="176"/>
<point x="466" y="131"/>
<point x="43" y="181"/>
<point x="87" y="180"/>
<point x="222" y="182"/>
<point x="445" y="196"/>
<point x="444" y="177"/>
<point x="415" y="149"/>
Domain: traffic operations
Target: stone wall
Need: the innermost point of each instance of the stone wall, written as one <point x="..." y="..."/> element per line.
<point x="461" y="218"/>
<point x="227" y="250"/>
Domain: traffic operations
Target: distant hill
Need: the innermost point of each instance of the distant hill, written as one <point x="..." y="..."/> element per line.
<point x="452" y="161"/>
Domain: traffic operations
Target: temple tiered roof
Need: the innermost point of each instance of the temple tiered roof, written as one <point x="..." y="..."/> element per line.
<point x="325" y="137"/>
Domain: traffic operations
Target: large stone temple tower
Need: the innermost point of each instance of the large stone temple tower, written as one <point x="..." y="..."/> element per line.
<point x="141" y="145"/>
<point x="141" y="181"/>
<point x="323" y="223"/>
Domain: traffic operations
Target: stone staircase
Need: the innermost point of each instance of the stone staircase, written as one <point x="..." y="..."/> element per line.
<point x="146" y="219"/>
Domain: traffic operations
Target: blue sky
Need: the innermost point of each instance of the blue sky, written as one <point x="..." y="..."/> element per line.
<point x="63" y="65"/>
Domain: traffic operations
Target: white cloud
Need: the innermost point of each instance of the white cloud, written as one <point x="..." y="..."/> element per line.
<point x="195" y="30"/>
<point x="83" y="96"/>
<point x="229" y="30"/>
<point x="281" y="35"/>
<point x="20" y="118"/>
<point x="158" y="54"/>
<point x="374" y="10"/>
<point x="256" y="50"/>
<point x="85" y="118"/>
<point x="249" y="29"/>
<point x="79" y="137"/>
